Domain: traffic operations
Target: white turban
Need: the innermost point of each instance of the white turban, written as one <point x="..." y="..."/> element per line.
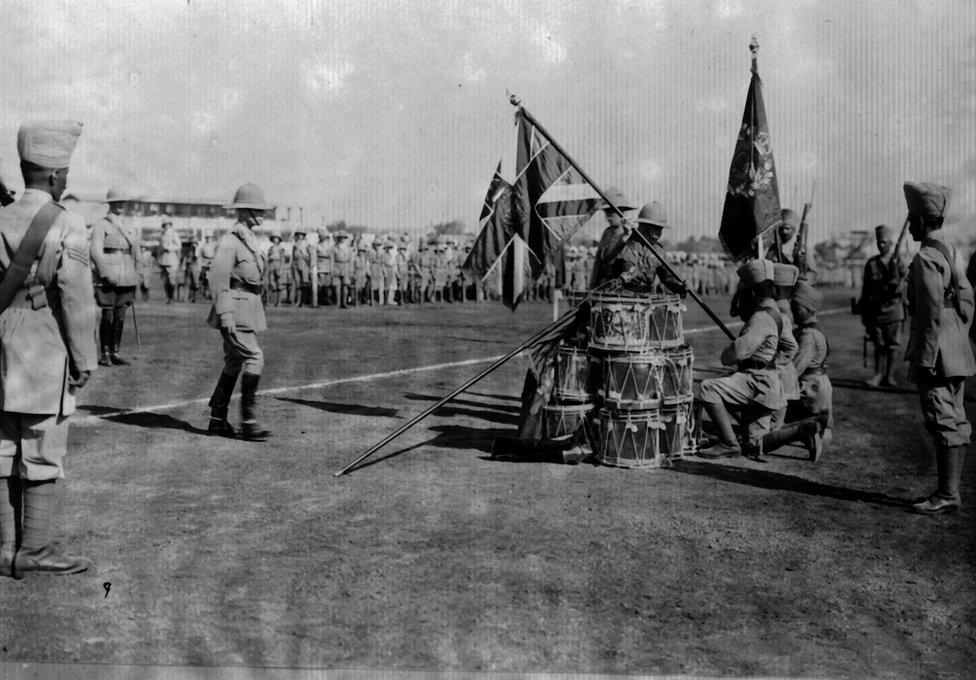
<point x="48" y="143"/>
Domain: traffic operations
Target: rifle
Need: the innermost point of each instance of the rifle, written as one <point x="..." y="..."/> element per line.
<point x="800" y="247"/>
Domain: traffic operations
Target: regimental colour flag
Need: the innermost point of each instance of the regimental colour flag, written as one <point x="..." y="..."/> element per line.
<point x="752" y="197"/>
<point x="525" y="222"/>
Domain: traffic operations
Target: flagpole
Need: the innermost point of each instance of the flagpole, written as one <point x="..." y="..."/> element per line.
<point x="667" y="265"/>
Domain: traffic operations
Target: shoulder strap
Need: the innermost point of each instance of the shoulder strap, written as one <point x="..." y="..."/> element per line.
<point x="257" y="259"/>
<point x="953" y="276"/>
<point x="27" y="252"/>
<point x="777" y="318"/>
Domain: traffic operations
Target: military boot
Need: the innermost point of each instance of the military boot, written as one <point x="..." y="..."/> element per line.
<point x="219" y="403"/>
<point x="9" y="523"/>
<point x="789" y="433"/>
<point x="949" y="460"/>
<point x="36" y="552"/>
<point x="727" y="446"/>
<point x="249" y="426"/>
<point x="106" y="336"/>
<point x="117" y="325"/>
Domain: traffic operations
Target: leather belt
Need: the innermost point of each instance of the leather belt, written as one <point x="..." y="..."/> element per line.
<point x="253" y="288"/>
<point x="756" y="364"/>
<point x="29" y="298"/>
<point x="116" y="250"/>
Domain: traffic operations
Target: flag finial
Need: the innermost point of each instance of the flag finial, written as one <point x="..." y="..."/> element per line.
<point x="512" y="99"/>
<point x="754" y="49"/>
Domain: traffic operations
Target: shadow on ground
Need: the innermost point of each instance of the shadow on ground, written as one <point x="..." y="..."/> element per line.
<point x="345" y="409"/>
<point x="777" y="481"/>
<point x="152" y="421"/>
<point x="450" y="437"/>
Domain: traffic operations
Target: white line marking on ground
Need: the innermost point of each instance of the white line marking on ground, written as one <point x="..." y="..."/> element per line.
<point x="93" y="419"/>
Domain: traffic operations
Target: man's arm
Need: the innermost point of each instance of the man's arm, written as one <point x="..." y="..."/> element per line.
<point x="929" y="294"/>
<point x="750" y="338"/>
<point x="78" y="311"/>
<point x="97" y="250"/>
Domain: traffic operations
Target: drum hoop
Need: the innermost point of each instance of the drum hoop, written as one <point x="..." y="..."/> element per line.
<point x="570" y="408"/>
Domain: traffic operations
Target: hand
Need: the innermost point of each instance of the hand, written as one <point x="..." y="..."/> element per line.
<point x="927" y="372"/>
<point x="227" y="324"/>
<point x="79" y="382"/>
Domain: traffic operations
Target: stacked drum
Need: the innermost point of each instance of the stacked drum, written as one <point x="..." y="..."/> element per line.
<point x="637" y="346"/>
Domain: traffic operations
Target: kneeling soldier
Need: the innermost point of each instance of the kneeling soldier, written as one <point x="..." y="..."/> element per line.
<point x="754" y="387"/>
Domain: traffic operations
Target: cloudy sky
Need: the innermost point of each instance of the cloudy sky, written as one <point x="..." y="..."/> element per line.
<point x="394" y="114"/>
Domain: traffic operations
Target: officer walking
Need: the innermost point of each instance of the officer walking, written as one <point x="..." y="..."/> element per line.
<point x="940" y="357"/>
<point x="115" y="258"/>
<point x="47" y="331"/>
<point x="236" y="278"/>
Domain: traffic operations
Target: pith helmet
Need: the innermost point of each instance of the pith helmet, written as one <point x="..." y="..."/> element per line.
<point x="249" y="196"/>
<point x="115" y="195"/>
<point x="618" y="198"/>
<point x="653" y="213"/>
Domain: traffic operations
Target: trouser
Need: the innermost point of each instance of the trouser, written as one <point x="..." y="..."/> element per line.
<point x="241" y="352"/>
<point x="113" y="300"/>
<point x="944" y="412"/>
<point x="752" y="394"/>
<point x="32" y="446"/>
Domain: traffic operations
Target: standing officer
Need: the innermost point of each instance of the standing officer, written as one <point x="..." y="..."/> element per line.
<point x="115" y="258"/>
<point x="47" y="332"/>
<point x="940" y="358"/>
<point x="633" y="263"/>
<point x="236" y="278"/>
<point x="882" y="305"/>
<point x="169" y="258"/>
<point x="613" y="238"/>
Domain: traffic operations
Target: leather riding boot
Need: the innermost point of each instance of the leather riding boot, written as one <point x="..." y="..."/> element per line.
<point x="117" y="325"/>
<point x="249" y="426"/>
<point x="106" y="337"/>
<point x="10" y="509"/>
<point x="36" y="552"/>
<point x="946" y="497"/>
<point x="728" y="445"/>
<point x="219" y="403"/>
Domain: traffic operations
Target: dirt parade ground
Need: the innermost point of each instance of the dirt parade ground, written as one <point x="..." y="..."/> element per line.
<point x="434" y="557"/>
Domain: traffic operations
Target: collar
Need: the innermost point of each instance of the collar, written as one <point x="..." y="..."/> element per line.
<point x="35" y="194"/>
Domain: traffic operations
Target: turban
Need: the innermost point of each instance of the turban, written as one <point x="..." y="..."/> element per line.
<point x="790" y="217"/>
<point x="925" y="199"/>
<point x="48" y="143"/>
<point x="785" y="274"/>
<point x="755" y="272"/>
<point x="884" y="231"/>
<point x="807" y="297"/>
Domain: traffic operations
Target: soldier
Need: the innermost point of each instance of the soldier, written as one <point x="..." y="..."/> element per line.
<point x="754" y="388"/>
<point x="360" y="273"/>
<point x="301" y="269"/>
<point x="47" y="331"/>
<point x="882" y="305"/>
<point x="276" y="269"/>
<point x="402" y="272"/>
<point x="415" y="264"/>
<point x="613" y="238"/>
<point x="323" y="262"/>
<point x="236" y="278"/>
<point x="376" y="272"/>
<point x="190" y="268"/>
<point x="169" y="258"/>
<point x="342" y="256"/>
<point x="115" y="257"/>
<point x="390" y="272"/>
<point x="205" y="255"/>
<point x="634" y="264"/>
<point x="940" y="357"/>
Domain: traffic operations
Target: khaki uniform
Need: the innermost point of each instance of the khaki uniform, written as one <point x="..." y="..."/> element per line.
<point x="755" y="386"/>
<point x="882" y="301"/>
<point x="939" y="340"/>
<point x="301" y="263"/>
<point x="169" y="259"/>
<point x="816" y="391"/>
<point x="276" y="266"/>
<point x="46" y="334"/>
<point x="236" y="278"/>
<point x="115" y="252"/>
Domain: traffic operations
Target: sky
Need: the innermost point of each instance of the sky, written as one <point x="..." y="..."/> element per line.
<point x="394" y="114"/>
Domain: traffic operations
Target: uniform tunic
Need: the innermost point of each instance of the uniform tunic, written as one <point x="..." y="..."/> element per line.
<point x="236" y="276"/>
<point x="755" y="387"/>
<point x="169" y="259"/>
<point x="342" y="256"/>
<point x="816" y="391"/>
<point x="301" y="263"/>
<point x="276" y="265"/>
<point x="115" y="260"/>
<point x="939" y="340"/>
<point x="46" y="334"/>
<point x="881" y="304"/>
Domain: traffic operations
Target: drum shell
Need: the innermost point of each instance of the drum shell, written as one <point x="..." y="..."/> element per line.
<point x="665" y="324"/>
<point x="678" y="437"/>
<point x="629" y="439"/>
<point x="632" y="381"/>
<point x="678" y="372"/>
<point x="619" y="323"/>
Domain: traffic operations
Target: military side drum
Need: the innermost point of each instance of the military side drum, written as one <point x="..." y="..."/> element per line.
<point x="619" y="323"/>
<point x="628" y="439"/>
<point x="678" y="437"/>
<point x="578" y="375"/>
<point x="633" y="381"/>
<point x="559" y="420"/>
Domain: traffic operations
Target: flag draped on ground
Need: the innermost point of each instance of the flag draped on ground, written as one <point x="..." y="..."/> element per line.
<point x="752" y="198"/>
<point x="526" y="221"/>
